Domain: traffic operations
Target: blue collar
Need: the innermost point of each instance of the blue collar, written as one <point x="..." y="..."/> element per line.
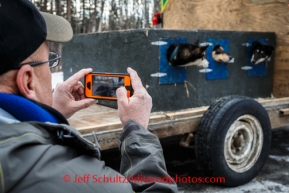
<point x="26" y="110"/>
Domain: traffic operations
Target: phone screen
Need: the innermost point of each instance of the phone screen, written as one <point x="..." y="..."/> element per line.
<point x="104" y="85"/>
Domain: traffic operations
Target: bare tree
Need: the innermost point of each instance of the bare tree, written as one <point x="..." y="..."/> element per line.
<point x="58" y="7"/>
<point x="88" y="15"/>
<point x="101" y="16"/>
<point x="120" y="5"/>
<point x="127" y="22"/>
<point x="68" y="9"/>
<point x="93" y="17"/>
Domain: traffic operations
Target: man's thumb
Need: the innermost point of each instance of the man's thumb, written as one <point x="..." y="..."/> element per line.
<point x="121" y="94"/>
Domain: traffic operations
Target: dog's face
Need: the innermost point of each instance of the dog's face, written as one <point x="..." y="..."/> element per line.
<point x="184" y="54"/>
<point x="261" y="52"/>
<point x="196" y="56"/>
<point x="219" y="55"/>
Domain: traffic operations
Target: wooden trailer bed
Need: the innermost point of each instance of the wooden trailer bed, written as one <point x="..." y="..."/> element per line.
<point x="105" y="122"/>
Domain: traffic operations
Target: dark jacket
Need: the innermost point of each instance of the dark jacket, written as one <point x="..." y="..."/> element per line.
<point x="46" y="157"/>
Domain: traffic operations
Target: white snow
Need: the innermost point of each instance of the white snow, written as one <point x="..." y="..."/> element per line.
<point x="280" y="158"/>
<point x="257" y="186"/>
<point x="57" y="77"/>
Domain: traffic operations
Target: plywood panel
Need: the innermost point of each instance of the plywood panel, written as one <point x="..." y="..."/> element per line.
<point x="281" y="83"/>
<point x="282" y="57"/>
<point x="238" y="15"/>
<point x="281" y="72"/>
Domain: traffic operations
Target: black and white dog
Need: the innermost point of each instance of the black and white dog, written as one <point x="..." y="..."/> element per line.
<point x="219" y="55"/>
<point x="185" y="54"/>
<point x="261" y="52"/>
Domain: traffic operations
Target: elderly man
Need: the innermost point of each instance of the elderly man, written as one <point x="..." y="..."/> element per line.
<point x="39" y="151"/>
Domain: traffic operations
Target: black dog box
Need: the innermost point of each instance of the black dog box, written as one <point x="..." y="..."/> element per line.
<point x="175" y="88"/>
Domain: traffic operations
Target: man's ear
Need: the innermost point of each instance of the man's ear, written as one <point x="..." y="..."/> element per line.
<point x="25" y="81"/>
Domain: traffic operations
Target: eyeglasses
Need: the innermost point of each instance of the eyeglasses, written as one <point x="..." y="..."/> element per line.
<point x="53" y="61"/>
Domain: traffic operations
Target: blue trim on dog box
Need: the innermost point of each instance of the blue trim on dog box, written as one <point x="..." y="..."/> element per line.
<point x="219" y="70"/>
<point x="258" y="69"/>
<point x="174" y="74"/>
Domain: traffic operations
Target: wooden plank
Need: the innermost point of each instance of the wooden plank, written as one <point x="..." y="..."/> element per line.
<point x="108" y="139"/>
<point x="92" y="118"/>
<point x="166" y="124"/>
<point x="284" y="112"/>
<point x="96" y="118"/>
<point x="268" y="103"/>
<point x="273" y="109"/>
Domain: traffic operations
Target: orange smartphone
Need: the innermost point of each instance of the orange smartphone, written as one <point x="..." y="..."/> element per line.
<point x="103" y="85"/>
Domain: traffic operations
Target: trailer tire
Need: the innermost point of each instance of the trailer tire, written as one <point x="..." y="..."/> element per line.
<point x="233" y="140"/>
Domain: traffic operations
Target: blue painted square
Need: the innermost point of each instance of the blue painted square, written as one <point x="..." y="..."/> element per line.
<point x="219" y="70"/>
<point x="258" y="69"/>
<point x="174" y="74"/>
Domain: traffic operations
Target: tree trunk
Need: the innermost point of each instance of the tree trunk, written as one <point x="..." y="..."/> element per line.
<point x="58" y="7"/>
<point x="156" y="6"/>
<point x="93" y="28"/>
<point x="51" y="6"/>
<point x="120" y="6"/>
<point x="127" y="20"/>
<point x="101" y="15"/>
<point x="68" y="8"/>
<point x="112" y="12"/>
<point x="43" y="5"/>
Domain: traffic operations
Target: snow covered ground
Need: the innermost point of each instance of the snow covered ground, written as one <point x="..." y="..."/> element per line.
<point x="57" y="77"/>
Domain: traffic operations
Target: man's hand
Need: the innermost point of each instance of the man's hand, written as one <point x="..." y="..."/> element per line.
<point x="137" y="107"/>
<point x="68" y="96"/>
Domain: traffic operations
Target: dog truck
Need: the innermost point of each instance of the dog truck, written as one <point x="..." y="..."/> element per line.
<point x="229" y="115"/>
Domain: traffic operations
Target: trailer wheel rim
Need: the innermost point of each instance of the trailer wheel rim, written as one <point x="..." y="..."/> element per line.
<point x="243" y="143"/>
